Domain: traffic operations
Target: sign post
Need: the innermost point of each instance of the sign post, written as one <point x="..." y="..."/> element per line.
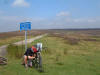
<point x="25" y="26"/>
<point x="25" y="40"/>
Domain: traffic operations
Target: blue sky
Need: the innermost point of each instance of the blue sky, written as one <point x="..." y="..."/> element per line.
<point x="49" y="14"/>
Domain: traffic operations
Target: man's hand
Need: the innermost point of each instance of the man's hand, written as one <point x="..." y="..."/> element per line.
<point x="34" y="55"/>
<point x="31" y="57"/>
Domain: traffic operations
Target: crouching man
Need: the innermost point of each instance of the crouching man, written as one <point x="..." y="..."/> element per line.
<point x="29" y="55"/>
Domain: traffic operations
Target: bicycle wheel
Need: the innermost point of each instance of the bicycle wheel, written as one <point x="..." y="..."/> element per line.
<point x="40" y="61"/>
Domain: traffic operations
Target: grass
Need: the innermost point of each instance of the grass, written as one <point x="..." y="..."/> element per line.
<point x="59" y="58"/>
<point x="15" y="51"/>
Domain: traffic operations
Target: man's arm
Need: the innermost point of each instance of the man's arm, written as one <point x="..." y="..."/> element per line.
<point x="31" y="57"/>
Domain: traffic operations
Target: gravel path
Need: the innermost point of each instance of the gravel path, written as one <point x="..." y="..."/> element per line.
<point x="3" y="51"/>
<point x="30" y="40"/>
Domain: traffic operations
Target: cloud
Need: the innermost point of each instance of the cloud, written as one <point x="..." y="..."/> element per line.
<point x="86" y="20"/>
<point x="91" y="20"/>
<point x="63" y="13"/>
<point x="11" y="23"/>
<point x="1" y="12"/>
<point x="63" y="20"/>
<point x="20" y="3"/>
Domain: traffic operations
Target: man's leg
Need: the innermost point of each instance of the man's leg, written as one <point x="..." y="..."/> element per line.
<point x="25" y="60"/>
<point x="30" y="58"/>
<point x="30" y="62"/>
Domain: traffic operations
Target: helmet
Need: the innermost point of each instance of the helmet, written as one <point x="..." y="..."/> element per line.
<point x="33" y="49"/>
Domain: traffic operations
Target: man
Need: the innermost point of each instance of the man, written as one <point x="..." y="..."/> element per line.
<point x="29" y="55"/>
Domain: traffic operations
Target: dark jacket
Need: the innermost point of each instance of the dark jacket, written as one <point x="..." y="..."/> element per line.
<point x="29" y="52"/>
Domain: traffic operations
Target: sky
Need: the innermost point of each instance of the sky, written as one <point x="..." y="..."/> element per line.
<point x="49" y="14"/>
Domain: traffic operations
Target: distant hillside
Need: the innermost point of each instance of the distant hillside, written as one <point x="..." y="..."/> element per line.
<point x="94" y="32"/>
<point x="22" y="33"/>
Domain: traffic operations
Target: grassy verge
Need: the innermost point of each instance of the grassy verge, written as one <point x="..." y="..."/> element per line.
<point x="59" y="58"/>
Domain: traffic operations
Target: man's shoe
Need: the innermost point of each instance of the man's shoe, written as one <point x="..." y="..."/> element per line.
<point x="26" y="66"/>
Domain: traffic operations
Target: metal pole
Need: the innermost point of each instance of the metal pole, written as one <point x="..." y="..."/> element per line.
<point x="25" y="40"/>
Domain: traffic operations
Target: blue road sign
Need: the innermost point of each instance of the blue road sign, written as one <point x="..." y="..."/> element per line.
<point x="25" y="26"/>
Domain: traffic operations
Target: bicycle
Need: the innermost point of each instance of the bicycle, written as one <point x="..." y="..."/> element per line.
<point x="37" y="62"/>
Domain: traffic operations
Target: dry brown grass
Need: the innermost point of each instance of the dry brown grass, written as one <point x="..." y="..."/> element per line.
<point x="74" y="37"/>
<point x="22" y="33"/>
<point x="11" y="37"/>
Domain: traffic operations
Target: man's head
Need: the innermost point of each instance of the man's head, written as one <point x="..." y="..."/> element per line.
<point x="33" y="49"/>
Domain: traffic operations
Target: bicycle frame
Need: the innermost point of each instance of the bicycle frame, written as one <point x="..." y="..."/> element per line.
<point x="37" y="62"/>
